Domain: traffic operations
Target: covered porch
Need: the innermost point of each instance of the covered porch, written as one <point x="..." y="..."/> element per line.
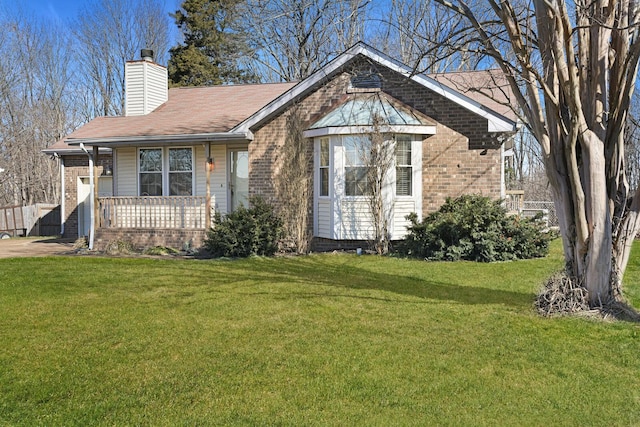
<point x="166" y="212"/>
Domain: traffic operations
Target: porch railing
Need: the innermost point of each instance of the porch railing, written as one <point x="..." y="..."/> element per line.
<point x="514" y="200"/>
<point x="176" y="212"/>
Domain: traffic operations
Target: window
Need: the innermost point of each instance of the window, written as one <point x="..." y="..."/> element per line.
<point x="355" y="170"/>
<point x="173" y="178"/>
<point x="151" y="172"/>
<point x="324" y="167"/>
<point x="180" y="171"/>
<point x="404" y="170"/>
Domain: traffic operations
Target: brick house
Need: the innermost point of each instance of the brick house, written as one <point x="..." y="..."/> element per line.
<point x="154" y="175"/>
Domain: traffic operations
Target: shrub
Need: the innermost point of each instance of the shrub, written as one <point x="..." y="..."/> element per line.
<point x="246" y="231"/>
<point x="474" y="228"/>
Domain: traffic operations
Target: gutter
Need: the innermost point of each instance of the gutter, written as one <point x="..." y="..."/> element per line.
<point x="114" y="141"/>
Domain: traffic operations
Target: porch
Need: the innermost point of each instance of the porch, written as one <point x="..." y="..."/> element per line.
<point x="155" y="212"/>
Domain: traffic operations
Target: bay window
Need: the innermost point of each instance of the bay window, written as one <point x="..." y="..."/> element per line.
<point x="324" y="166"/>
<point x="355" y="168"/>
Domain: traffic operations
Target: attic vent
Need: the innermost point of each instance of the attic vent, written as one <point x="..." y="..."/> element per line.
<point x="366" y="80"/>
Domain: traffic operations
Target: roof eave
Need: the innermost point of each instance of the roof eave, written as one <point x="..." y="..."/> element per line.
<point x="70" y="151"/>
<point x="115" y="141"/>
<point x="347" y="130"/>
<point x="497" y="122"/>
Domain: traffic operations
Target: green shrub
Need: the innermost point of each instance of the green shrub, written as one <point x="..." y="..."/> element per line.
<point x="474" y="228"/>
<point x="246" y="231"/>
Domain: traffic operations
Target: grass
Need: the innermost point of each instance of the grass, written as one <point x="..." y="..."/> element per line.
<point x="319" y="340"/>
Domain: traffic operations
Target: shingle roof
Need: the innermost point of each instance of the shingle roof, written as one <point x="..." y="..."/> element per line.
<point x="490" y="88"/>
<point x="188" y="111"/>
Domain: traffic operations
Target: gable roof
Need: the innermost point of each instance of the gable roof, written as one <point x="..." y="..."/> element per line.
<point x="227" y="113"/>
<point x="189" y="113"/>
<point x="497" y="121"/>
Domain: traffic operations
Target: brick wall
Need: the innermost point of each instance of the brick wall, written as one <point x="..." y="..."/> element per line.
<point x="75" y="167"/>
<point x="143" y="238"/>
<point x="461" y="158"/>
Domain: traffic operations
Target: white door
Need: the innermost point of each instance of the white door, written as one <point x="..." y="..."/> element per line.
<point x="84" y="206"/>
<point x="105" y="189"/>
<point x="238" y="179"/>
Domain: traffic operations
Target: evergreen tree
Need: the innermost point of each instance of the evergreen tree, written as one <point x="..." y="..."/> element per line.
<point x="213" y="45"/>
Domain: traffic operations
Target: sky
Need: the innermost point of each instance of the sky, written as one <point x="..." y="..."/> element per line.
<point x="65" y="10"/>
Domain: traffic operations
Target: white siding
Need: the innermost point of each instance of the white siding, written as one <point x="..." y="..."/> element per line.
<point x="324" y="218"/>
<point x="200" y="175"/>
<point x="126" y="172"/>
<point x="355" y="220"/>
<point x="219" y="177"/>
<point x="401" y="209"/>
<point x="146" y="87"/>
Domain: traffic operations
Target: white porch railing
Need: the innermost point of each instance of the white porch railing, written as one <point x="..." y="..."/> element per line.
<point x="514" y="200"/>
<point x="176" y="212"/>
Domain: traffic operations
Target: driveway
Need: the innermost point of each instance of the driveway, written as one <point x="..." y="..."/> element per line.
<point x="34" y="246"/>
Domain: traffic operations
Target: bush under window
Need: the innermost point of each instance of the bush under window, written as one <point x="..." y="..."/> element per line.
<point x="245" y="232"/>
<point x="475" y="228"/>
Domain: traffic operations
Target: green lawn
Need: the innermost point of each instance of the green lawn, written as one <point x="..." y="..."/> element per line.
<point x="318" y="340"/>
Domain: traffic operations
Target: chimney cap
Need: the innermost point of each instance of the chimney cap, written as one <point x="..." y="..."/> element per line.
<point x="146" y="54"/>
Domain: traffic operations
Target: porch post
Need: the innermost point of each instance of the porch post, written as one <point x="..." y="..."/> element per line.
<point x="96" y="208"/>
<point x="208" y="167"/>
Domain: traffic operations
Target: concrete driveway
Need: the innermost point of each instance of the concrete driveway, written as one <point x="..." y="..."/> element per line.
<point x="34" y="246"/>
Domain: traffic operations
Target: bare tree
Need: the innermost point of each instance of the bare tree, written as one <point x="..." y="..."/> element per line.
<point x="573" y="73"/>
<point x="108" y="33"/>
<point x="293" y="182"/>
<point x="35" y="74"/>
<point x="417" y="32"/>
<point x="379" y="158"/>
<point x="294" y="38"/>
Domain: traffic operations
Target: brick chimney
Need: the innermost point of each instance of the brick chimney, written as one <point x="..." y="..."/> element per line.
<point x="146" y="85"/>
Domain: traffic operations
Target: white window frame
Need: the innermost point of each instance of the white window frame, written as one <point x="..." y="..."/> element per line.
<point x="361" y="163"/>
<point x="327" y="168"/>
<point x="165" y="168"/>
<point x="410" y="139"/>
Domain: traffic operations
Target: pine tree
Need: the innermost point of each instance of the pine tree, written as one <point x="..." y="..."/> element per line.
<point x="213" y="45"/>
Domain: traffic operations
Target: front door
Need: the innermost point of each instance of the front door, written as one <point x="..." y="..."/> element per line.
<point x="84" y="206"/>
<point x="238" y="178"/>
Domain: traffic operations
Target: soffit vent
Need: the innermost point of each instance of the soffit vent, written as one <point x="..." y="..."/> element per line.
<point x="366" y="79"/>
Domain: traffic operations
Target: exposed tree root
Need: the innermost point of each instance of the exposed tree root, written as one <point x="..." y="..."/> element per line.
<point x="562" y="296"/>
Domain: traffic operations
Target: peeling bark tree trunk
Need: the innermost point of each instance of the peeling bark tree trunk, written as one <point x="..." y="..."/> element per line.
<point x="572" y="74"/>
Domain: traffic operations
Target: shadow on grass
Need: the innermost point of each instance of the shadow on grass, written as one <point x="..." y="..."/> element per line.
<point x="311" y="271"/>
<point x="431" y="289"/>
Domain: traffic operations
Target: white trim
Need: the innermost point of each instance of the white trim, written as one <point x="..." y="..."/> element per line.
<point x="165" y="168"/>
<point x="219" y="137"/>
<point x="62" y="192"/>
<point x="496" y="121"/>
<point x="355" y="130"/>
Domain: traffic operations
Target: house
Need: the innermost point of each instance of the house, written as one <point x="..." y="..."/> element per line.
<point x="154" y="175"/>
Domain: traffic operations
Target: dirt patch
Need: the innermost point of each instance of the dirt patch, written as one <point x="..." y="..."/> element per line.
<point x="33" y="247"/>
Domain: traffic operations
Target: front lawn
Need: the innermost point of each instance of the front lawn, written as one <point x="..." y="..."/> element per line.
<point x="318" y="340"/>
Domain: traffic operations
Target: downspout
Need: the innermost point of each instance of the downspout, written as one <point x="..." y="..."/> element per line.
<point x="91" y="192"/>
<point x="503" y="184"/>
<point x="62" y="196"/>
